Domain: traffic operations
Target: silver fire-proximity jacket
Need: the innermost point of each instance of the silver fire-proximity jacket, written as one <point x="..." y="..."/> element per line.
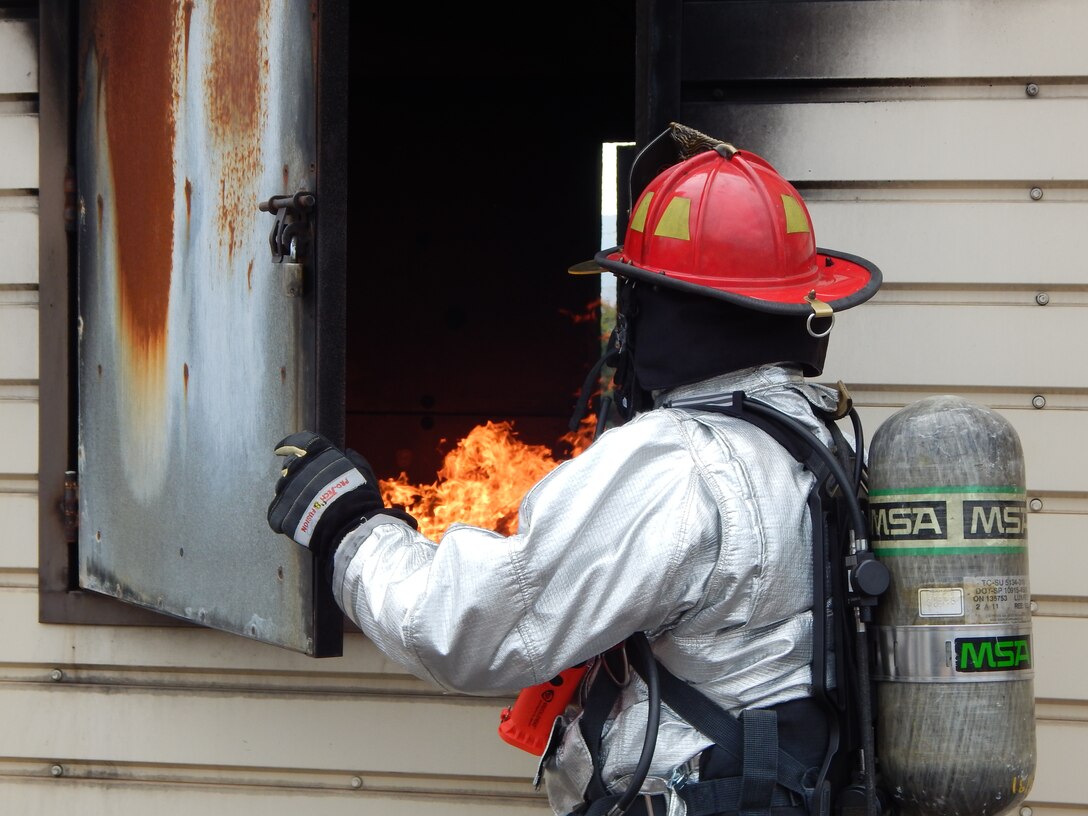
<point x="690" y="526"/>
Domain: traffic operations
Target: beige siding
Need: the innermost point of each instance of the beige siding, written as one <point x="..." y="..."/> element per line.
<point x="967" y="236"/>
<point x="19" y="158"/>
<point x="117" y="794"/>
<point x="897" y="39"/>
<point x="966" y="139"/>
<point x="18" y="57"/>
<point x="19" y="225"/>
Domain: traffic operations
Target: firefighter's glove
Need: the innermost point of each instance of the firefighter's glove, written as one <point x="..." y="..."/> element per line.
<point x="324" y="493"/>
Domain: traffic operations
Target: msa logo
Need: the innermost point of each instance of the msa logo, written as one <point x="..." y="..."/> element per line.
<point x="988" y="654"/>
<point x="994" y="519"/>
<point x="919" y="520"/>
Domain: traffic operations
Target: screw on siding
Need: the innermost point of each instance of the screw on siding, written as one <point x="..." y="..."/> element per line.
<point x="1025" y="811"/>
<point x="57" y="770"/>
<point x="1036" y="505"/>
<point x="56" y="675"/>
<point x="1032" y="89"/>
<point x="1034" y="607"/>
<point x="1043" y="298"/>
<point x="356" y="782"/>
<point x="1038" y="401"/>
<point x="1036" y="193"/>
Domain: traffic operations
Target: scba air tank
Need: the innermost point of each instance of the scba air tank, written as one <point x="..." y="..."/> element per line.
<point x="955" y="717"/>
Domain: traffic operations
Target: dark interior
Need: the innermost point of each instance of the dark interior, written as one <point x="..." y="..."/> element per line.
<point x="474" y="183"/>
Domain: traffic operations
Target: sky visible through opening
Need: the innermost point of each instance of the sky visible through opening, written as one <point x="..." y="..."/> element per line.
<point x="609" y="206"/>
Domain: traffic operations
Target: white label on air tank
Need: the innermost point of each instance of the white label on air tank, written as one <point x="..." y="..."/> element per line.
<point x="940" y="602"/>
<point x="997" y="598"/>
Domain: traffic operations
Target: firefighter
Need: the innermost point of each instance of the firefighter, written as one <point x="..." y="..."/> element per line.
<point x="686" y="525"/>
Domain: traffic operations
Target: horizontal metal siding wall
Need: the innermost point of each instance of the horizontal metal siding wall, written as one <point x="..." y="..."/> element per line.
<point x="942" y="140"/>
<point x="18" y="304"/>
<point x="101" y="719"/>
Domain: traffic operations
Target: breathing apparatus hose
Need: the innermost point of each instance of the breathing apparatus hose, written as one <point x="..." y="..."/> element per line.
<point x="859" y="447"/>
<point x="868" y="741"/>
<point x="857" y="517"/>
<point x="645" y="656"/>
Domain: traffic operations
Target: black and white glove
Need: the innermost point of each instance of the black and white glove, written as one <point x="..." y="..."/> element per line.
<point x="324" y="493"/>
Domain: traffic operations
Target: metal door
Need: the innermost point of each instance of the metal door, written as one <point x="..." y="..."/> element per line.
<point x="197" y="332"/>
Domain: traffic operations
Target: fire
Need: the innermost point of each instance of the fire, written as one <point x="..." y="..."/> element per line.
<point x="482" y="479"/>
<point x="485" y="476"/>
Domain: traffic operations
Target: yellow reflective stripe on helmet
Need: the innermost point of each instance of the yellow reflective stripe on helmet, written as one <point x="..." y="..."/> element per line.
<point x="796" y="220"/>
<point x="638" y="220"/>
<point x="674" y="221"/>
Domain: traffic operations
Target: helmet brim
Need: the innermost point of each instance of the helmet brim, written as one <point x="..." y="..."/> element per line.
<point x="843" y="281"/>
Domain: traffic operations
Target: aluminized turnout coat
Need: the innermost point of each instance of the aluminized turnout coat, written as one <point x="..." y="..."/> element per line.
<point x="691" y="526"/>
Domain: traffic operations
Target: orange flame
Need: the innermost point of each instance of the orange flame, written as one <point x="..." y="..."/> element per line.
<point x="482" y="480"/>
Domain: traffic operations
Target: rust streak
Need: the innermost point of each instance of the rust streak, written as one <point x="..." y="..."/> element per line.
<point x="234" y="98"/>
<point x="187" y="9"/>
<point x="185" y="376"/>
<point x="188" y="199"/>
<point x="135" y="50"/>
<point x="100" y="205"/>
<point x="249" y="275"/>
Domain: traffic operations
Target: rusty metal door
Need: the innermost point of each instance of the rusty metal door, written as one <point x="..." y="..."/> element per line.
<point x="196" y="328"/>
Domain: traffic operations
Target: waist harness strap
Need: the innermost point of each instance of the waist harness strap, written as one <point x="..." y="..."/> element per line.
<point x="760" y="761"/>
<point x="770" y="773"/>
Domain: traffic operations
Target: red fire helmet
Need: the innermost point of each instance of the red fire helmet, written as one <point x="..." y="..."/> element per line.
<point x="725" y="224"/>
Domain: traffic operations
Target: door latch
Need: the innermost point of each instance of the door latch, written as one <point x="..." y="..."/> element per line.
<point x="291" y="236"/>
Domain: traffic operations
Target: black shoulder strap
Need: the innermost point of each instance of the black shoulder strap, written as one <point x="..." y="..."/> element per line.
<point x="803" y="447"/>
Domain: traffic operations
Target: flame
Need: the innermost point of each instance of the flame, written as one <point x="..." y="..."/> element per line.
<point x="482" y="479"/>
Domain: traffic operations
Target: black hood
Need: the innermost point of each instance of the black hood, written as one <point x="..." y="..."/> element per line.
<point x="677" y="338"/>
